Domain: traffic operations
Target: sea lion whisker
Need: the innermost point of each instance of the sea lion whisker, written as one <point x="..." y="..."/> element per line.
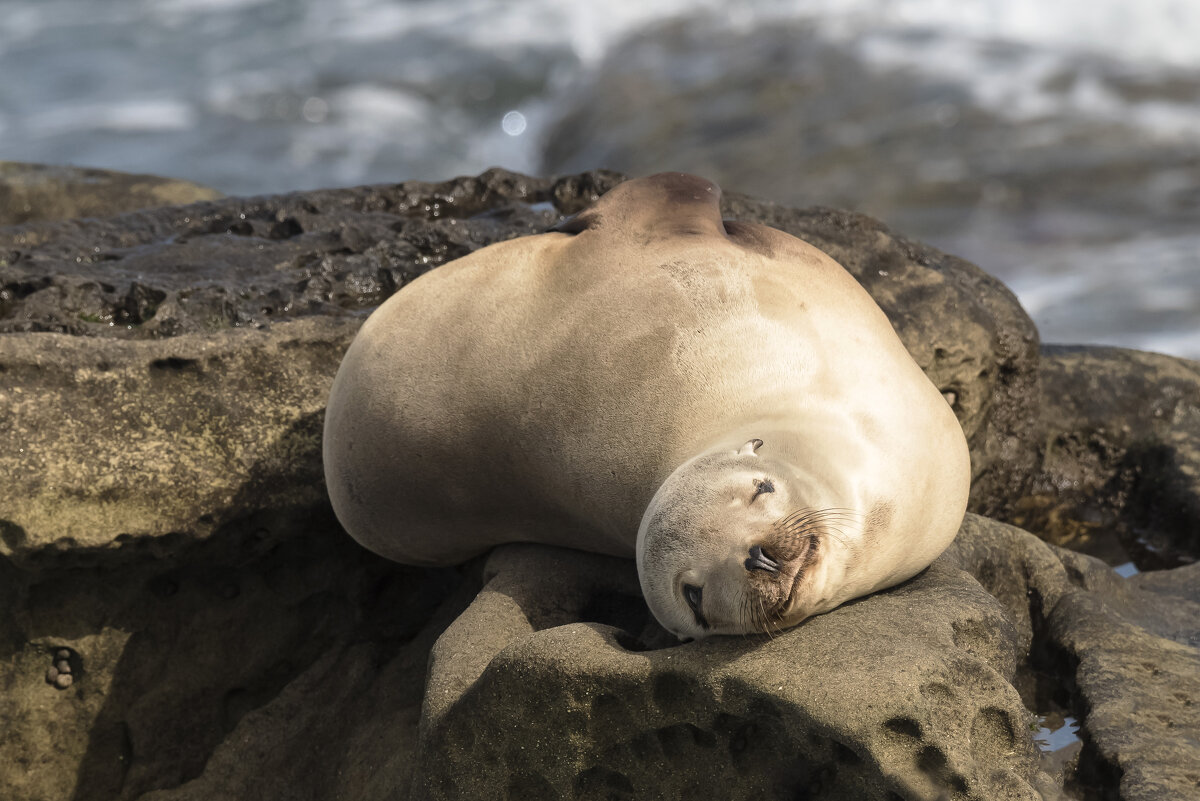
<point x="746" y="612"/>
<point x="807" y="517"/>
<point x="766" y="620"/>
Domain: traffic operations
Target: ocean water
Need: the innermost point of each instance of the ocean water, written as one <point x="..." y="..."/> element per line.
<point x="1056" y="144"/>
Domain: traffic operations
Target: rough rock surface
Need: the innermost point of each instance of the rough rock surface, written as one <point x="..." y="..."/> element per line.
<point x="145" y="444"/>
<point x="1118" y="454"/>
<point x="1123" y="653"/>
<point x="163" y="522"/>
<point x="555" y="683"/>
<point x="169" y="656"/>
<point x="31" y="192"/>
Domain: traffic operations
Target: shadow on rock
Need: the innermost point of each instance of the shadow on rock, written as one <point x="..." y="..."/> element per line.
<point x="527" y="695"/>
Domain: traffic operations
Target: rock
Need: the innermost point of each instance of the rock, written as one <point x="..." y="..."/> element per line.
<point x="344" y="728"/>
<point x="30" y="192"/>
<point x="242" y="262"/>
<point x="1124" y="655"/>
<point x="555" y="683"/>
<point x="174" y="669"/>
<point x="783" y="113"/>
<point x="163" y="522"/>
<point x="150" y="444"/>
<point x="1118" y="455"/>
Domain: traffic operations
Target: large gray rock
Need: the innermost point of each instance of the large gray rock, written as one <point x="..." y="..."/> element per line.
<point x="153" y="444"/>
<point x="555" y="684"/>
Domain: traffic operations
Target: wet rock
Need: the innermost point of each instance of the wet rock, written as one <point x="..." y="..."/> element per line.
<point x="1123" y="655"/>
<point x="30" y="192"/>
<point x="243" y="262"/>
<point x="1118" y="455"/>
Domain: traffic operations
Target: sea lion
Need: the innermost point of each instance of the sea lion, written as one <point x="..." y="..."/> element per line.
<point x="720" y="400"/>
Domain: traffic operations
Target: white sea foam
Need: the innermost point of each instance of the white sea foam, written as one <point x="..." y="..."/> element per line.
<point x="129" y="116"/>
<point x="1179" y="343"/>
<point x="369" y="106"/>
<point x="1139" y="293"/>
<point x="587" y="29"/>
<point x="1024" y="77"/>
<point x="192" y="8"/>
<point x="1150" y="31"/>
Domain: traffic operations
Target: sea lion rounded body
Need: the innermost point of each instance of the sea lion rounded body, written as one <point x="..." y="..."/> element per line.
<point x="721" y="400"/>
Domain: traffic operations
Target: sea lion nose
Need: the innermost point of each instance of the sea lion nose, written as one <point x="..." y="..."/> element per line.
<point x="760" y="561"/>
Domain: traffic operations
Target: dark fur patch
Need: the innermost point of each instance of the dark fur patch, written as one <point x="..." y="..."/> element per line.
<point x="879" y="519"/>
<point x="575" y="224"/>
<point x="755" y="238"/>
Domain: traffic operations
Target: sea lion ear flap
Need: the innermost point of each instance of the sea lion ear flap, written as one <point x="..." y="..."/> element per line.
<point x="750" y="448"/>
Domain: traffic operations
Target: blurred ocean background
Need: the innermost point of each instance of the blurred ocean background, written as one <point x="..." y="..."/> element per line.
<point x="1056" y="143"/>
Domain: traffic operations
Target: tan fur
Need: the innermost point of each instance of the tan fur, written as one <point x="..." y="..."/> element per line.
<point x="549" y="389"/>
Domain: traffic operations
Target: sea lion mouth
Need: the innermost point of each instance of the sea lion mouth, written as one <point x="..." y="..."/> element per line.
<point x="767" y="601"/>
<point x="807" y="560"/>
<point x="804" y="562"/>
<point x="778" y="566"/>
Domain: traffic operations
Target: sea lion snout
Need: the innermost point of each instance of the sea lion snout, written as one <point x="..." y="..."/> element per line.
<point x="761" y="561"/>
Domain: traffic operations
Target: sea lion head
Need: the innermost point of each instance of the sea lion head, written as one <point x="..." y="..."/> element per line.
<point x="732" y="543"/>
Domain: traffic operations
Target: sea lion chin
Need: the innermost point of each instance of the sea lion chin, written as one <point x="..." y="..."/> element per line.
<point x="719" y="400"/>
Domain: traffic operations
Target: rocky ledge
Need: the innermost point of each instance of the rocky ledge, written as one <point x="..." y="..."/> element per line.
<point x="186" y="620"/>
